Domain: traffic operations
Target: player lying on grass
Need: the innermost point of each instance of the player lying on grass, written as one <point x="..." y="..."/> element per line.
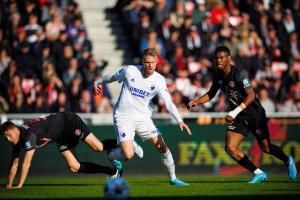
<point x="132" y="114"/>
<point x="63" y="128"/>
<point x="247" y="114"/>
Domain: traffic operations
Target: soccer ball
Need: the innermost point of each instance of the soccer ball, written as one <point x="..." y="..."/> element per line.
<point x="116" y="188"/>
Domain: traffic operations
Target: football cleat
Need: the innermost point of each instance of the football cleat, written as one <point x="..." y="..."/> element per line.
<point x="258" y="178"/>
<point x="138" y="150"/>
<point x="176" y="181"/>
<point x="117" y="164"/>
<point x="119" y="167"/>
<point x="118" y="174"/>
<point x="292" y="168"/>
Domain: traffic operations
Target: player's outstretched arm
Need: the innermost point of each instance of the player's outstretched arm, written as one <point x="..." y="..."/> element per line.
<point x="118" y="76"/>
<point x="195" y="102"/>
<point x="25" y="167"/>
<point x="12" y="170"/>
<point x="183" y="125"/>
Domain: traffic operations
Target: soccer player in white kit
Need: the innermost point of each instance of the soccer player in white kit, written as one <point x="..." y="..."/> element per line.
<point x="132" y="113"/>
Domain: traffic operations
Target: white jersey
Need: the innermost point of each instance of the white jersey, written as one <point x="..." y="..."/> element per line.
<point x="137" y="92"/>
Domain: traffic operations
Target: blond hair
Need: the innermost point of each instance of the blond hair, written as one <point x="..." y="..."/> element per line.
<point x="149" y="52"/>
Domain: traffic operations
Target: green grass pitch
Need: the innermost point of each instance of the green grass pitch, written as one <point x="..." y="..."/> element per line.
<point x="149" y="187"/>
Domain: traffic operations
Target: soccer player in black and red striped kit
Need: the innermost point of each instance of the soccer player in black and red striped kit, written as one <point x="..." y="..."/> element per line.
<point x="65" y="129"/>
<point x="246" y="115"/>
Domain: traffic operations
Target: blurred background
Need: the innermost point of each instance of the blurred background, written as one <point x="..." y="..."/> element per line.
<point x="51" y="52"/>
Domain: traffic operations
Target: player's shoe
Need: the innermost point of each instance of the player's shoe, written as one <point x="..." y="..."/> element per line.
<point x="258" y="178"/>
<point x="118" y="165"/>
<point x="118" y="174"/>
<point x="138" y="150"/>
<point x="292" y="168"/>
<point x="176" y="181"/>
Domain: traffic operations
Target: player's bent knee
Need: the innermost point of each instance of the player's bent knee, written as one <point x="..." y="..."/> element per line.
<point x="128" y="155"/>
<point x="230" y="150"/>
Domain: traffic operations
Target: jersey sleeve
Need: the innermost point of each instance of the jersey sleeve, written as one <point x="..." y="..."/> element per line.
<point x="165" y="95"/>
<point x="30" y="142"/>
<point x="119" y="76"/>
<point x="214" y="87"/>
<point x="244" y="80"/>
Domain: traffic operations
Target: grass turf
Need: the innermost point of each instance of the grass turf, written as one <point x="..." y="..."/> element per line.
<point x="147" y="187"/>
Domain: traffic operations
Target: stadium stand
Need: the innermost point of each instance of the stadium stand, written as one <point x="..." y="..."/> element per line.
<point x="46" y="61"/>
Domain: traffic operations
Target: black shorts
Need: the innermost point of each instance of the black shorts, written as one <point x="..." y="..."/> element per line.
<point x="75" y="129"/>
<point x="257" y="124"/>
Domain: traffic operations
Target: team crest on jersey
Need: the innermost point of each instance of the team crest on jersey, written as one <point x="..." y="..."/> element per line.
<point x="123" y="134"/>
<point x="77" y="132"/>
<point x="132" y="80"/>
<point x="231" y="84"/>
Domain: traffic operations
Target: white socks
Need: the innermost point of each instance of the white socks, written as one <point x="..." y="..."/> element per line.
<point x="138" y="150"/>
<point x="168" y="161"/>
<point x="257" y="171"/>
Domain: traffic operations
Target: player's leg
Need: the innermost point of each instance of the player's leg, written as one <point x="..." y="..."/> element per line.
<point x="105" y="145"/>
<point x="85" y="167"/>
<point x="124" y="152"/>
<point x="84" y="133"/>
<point x="232" y="143"/>
<point x="93" y="142"/>
<point x="125" y="136"/>
<point x="167" y="159"/>
<point x="262" y="135"/>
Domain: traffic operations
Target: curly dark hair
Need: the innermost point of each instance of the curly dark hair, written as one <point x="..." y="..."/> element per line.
<point x="222" y="49"/>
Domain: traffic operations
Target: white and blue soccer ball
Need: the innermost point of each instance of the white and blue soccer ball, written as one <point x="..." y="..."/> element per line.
<point x="116" y="188"/>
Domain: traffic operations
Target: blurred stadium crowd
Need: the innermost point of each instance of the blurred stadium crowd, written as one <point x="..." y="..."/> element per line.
<point x="46" y="61"/>
<point x="263" y="36"/>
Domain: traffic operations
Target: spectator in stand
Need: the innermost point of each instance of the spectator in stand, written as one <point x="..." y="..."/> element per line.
<point x="54" y="27"/>
<point x="5" y="59"/>
<point x="71" y="72"/>
<point x="265" y="101"/>
<point x="86" y="102"/>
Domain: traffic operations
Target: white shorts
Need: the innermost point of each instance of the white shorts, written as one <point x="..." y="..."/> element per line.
<point x="126" y="128"/>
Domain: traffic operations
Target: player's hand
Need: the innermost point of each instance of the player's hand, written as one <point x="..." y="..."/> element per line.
<point x="97" y="88"/>
<point x="228" y="119"/>
<point x="182" y="126"/>
<point x="191" y="104"/>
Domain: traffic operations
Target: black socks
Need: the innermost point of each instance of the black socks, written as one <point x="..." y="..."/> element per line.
<point x="92" y="168"/>
<point x="109" y="144"/>
<point x="246" y="163"/>
<point x="278" y="153"/>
